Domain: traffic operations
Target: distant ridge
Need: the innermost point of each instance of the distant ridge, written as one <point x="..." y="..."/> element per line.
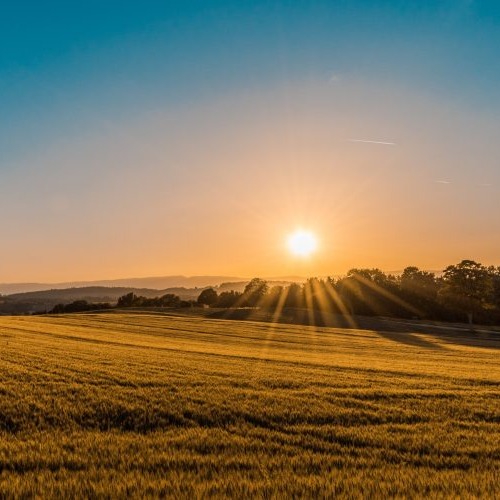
<point x="44" y="300"/>
<point x="155" y="282"/>
<point x="158" y="282"/>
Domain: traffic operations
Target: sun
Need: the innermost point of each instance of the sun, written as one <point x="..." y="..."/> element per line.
<point x="302" y="243"/>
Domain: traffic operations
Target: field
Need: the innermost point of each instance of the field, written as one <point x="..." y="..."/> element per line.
<point x="152" y="405"/>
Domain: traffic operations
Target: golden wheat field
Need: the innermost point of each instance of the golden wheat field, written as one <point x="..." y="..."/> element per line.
<point x="147" y="405"/>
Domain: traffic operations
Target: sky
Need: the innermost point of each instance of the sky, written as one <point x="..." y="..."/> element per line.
<point x="155" y="138"/>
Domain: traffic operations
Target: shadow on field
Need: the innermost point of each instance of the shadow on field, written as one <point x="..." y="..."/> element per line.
<point x="410" y="339"/>
<point x="397" y="330"/>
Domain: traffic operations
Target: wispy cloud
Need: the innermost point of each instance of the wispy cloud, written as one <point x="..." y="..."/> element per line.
<point x="366" y="141"/>
<point x="479" y="184"/>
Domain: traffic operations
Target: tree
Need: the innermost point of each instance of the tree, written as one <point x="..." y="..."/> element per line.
<point x="78" y="306"/>
<point x="273" y="297"/>
<point x="315" y="296"/>
<point x="467" y="286"/>
<point x="375" y="275"/>
<point x="132" y="300"/>
<point x="420" y="288"/>
<point x="208" y="297"/>
<point x="294" y="297"/>
<point x="254" y="292"/>
<point x="418" y="282"/>
<point x="367" y="291"/>
<point x="495" y="282"/>
<point x="127" y="300"/>
<point x="170" y="300"/>
<point x="229" y="299"/>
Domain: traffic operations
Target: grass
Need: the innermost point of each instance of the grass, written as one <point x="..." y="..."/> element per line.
<point x="148" y="405"/>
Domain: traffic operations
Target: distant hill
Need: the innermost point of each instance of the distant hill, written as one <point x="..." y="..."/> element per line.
<point x="153" y="283"/>
<point x="101" y="293"/>
<point x="44" y="300"/>
<point x="157" y="283"/>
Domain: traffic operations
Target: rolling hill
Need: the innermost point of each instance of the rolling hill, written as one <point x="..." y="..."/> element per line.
<point x="157" y="283"/>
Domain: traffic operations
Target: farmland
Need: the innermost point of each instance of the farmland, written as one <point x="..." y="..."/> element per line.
<point x="148" y="404"/>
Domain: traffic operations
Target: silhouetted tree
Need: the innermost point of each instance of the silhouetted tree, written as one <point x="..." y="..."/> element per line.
<point x="273" y="297"/>
<point x="358" y="289"/>
<point x="127" y="300"/>
<point x="314" y="294"/>
<point x="374" y="275"/>
<point x="208" y="297"/>
<point x="229" y="299"/>
<point x="372" y="292"/>
<point x="132" y="300"/>
<point x="467" y="286"/>
<point x="294" y="297"/>
<point x="420" y="288"/>
<point x="254" y="292"/>
<point x="495" y="286"/>
<point x="170" y="300"/>
<point x="418" y="282"/>
<point x="78" y="306"/>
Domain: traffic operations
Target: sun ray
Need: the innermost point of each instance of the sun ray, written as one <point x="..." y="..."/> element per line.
<point x="388" y="295"/>
<point x="280" y="305"/>
<point x="337" y="299"/>
<point x="310" y="312"/>
<point x="323" y="305"/>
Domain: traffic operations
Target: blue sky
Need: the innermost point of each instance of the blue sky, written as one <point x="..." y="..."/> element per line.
<point x="64" y="64"/>
<point x="69" y="69"/>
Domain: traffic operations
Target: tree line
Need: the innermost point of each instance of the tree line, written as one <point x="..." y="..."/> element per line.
<point x="127" y="300"/>
<point x="463" y="292"/>
<point x="467" y="291"/>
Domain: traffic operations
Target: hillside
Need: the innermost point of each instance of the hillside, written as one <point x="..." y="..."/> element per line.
<point x="45" y="300"/>
<point x="155" y="282"/>
<point x="100" y="293"/>
<point x="158" y="405"/>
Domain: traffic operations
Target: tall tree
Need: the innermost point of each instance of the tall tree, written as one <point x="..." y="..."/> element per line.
<point x="294" y="296"/>
<point x="467" y="286"/>
<point x="255" y="291"/>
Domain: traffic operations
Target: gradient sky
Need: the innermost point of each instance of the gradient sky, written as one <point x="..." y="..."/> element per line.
<point x="191" y="137"/>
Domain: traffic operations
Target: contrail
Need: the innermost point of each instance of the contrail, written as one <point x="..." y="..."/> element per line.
<point x="442" y="182"/>
<point x="373" y="142"/>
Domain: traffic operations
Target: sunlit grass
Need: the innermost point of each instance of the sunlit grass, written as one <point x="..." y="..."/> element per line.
<point x="149" y="404"/>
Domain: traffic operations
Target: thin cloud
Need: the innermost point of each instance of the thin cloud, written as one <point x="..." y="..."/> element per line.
<point x="442" y="182"/>
<point x="366" y="141"/>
